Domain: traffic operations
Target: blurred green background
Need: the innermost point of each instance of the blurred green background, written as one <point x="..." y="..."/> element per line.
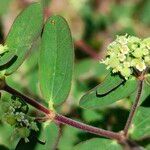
<point x="94" y="24"/>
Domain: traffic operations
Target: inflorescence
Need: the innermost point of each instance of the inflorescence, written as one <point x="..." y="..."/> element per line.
<point x="128" y="54"/>
<point x="15" y="114"/>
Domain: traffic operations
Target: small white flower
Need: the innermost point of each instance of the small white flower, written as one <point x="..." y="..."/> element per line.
<point x="126" y="64"/>
<point x="125" y="49"/>
<point x="11" y="109"/>
<point x="121" y="57"/>
<point x="141" y="66"/>
<point x="26" y="122"/>
<point x="126" y="53"/>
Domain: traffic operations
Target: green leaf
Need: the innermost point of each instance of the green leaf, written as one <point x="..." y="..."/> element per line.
<point x="88" y="68"/>
<point x="97" y="144"/>
<point x="68" y="138"/>
<point x="110" y="83"/>
<point x="48" y="135"/>
<point x="94" y="100"/>
<point x="7" y="135"/>
<point x="56" y="60"/>
<point x="26" y="28"/>
<point x="7" y="58"/>
<point x="141" y="124"/>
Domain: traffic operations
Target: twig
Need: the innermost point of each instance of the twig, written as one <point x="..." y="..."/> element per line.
<point x="97" y="131"/>
<point x="134" y="107"/>
<point x="27" y="99"/>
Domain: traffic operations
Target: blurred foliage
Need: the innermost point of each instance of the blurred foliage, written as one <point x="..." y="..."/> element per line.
<point x="95" y="22"/>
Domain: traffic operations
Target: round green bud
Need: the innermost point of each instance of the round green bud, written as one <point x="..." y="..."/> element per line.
<point x="17" y="104"/>
<point x="23" y="132"/>
<point x="34" y="126"/>
<point x="10" y="119"/>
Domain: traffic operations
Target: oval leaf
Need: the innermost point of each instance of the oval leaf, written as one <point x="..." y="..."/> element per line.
<point x="24" y="31"/>
<point x="93" y="100"/>
<point x="56" y="60"/>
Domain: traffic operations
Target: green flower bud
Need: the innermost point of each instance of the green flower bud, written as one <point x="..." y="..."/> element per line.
<point x="126" y="72"/>
<point x="145" y="51"/>
<point x="16" y="104"/>
<point x="138" y="53"/>
<point x="23" y="132"/>
<point x="24" y="109"/>
<point x="19" y="116"/>
<point x="146" y="42"/>
<point x="34" y="126"/>
<point x="10" y="119"/>
<point x="147" y="60"/>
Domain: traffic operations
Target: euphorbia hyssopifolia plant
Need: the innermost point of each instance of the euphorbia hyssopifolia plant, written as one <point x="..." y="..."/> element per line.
<point x="128" y="61"/>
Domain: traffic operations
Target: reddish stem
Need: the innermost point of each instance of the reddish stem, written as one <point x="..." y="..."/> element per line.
<point x="62" y="119"/>
<point x="134" y="107"/>
<point x="28" y="100"/>
<point x="97" y="131"/>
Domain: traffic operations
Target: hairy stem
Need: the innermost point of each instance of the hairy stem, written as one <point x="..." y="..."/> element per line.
<point x="134" y="107"/>
<point x="64" y="120"/>
<point x="97" y="131"/>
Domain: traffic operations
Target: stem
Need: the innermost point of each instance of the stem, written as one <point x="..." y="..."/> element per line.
<point x="134" y="107"/>
<point x="64" y="120"/>
<point x="97" y="131"/>
<point x="27" y="99"/>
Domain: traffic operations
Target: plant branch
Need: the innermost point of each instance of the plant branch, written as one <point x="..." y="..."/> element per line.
<point x="134" y="107"/>
<point x="97" y="131"/>
<point x="27" y="99"/>
<point x="62" y="119"/>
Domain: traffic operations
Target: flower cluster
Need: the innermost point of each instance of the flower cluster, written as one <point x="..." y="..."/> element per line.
<point x="15" y="114"/>
<point x="128" y="53"/>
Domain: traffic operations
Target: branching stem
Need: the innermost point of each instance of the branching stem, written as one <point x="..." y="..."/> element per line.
<point x="64" y="120"/>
